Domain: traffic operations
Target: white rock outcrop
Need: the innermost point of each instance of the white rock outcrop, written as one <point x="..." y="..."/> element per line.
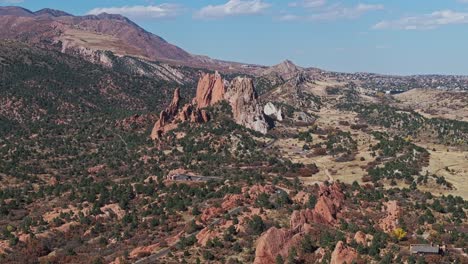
<point x="271" y="110"/>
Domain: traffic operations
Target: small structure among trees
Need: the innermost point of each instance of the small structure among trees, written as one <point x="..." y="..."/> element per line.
<point x="427" y="249"/>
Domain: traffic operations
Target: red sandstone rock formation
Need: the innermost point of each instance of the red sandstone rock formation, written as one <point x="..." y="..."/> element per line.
<point x="390" y="221"/>
<point x="210" y="90"/>
<point x="301" y="197"/>
<point x="241" y="96"/>
<point x="166" y="116"/>
<point x="362" y="238"/>
<point x="343" y="254"/>
<point x="210" y="213"/>
<point x="273" y="243"/>
<point x="169" y="117"/>
<point x="143" y="251"/>
<point x="325" y="211"/>
<point x="4" y="247"/>
<point x="279" y="241"/>
<point x="205" y="235"/>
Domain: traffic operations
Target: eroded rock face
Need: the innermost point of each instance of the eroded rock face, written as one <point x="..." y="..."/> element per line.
<point x="273" y="243"/>
<point x="143" y="251"/>
<point x="169" y="117"/>
<point x="325" y="211"/>
<point x="271" y="110"/>
<point x="166" y="116"/>
<point x="343" y="254"/>
<point x="245" y="107"/>
<point x="205" y="235"/>
<point x="362" y="238"/>
<point x="210" y="90"/>
<point x="390" y="221"/>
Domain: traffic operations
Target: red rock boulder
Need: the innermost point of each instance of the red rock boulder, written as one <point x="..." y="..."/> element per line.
<point x="343" y="254"/>
<point x="275" y="242"/>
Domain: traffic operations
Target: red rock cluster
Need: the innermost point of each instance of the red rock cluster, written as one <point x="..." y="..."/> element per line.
<point x="211" y="89"/>
<point x="275" y="242"/>
<point x="169" y="117"/>
<point x="362" y="238"/>
<point x="207" y="234"/>
<point x="279" y="241"/>
<point x="232" y="201"/>
<point x="325" y="211"/>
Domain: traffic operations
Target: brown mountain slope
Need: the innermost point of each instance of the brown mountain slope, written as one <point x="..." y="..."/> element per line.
<point x="85" y="35"/>
<point x="115" y="32"/>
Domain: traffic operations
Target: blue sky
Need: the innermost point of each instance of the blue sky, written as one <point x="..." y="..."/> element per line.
<point x="395" y="37"/>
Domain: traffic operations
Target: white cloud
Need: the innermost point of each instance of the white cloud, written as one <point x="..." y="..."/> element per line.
<point x="308" y="3"/>
<point x="426" y="21"/>
<point x="335" y="12"/>
<point x="233" y="8"/>
<point x="289" y="17"/>
<point x="143" y="12"/>
<point x="11" y="1"/>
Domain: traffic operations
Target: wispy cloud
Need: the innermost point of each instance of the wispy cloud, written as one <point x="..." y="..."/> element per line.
<point x="341" y="12"/>
<point x="233" y="8"/>
<point x="335" y="12"/>
<point x="142" y="12"/>
<point x="426" y="21"/>
<point x="308" y="3"/>
<point x="11" y="1"/>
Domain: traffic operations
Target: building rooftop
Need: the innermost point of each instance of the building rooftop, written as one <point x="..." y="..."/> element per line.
<point x="423" y="248"/>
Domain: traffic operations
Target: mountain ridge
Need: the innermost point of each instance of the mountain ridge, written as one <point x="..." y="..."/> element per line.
<point x="66" y="32"/>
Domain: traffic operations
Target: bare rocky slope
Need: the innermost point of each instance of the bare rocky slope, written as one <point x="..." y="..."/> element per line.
<point x="50" y="28"/>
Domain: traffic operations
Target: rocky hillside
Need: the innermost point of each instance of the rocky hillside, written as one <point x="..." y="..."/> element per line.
<point x="106" y="158"/>
<point x="43" y="86"/>
<point x="89" y="36"/>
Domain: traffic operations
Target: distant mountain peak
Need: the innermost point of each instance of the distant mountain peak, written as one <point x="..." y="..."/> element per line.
<point x="286" y="69"/>
<point x="287" y="65"/>
<point x="52" y="12"/>
<point x="110" y="31"/>
<point x="15" y="11"/>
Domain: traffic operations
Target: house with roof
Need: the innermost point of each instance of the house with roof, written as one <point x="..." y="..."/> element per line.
<point x="427" y="249"/>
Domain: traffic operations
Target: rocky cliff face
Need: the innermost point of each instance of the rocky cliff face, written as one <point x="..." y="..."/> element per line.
<point x="245" y="107"/>
<point x="273" y="243"/>
<point x="169" y="117"/>
<point x="271" y="110"/>
<point x="210" y="90"/>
